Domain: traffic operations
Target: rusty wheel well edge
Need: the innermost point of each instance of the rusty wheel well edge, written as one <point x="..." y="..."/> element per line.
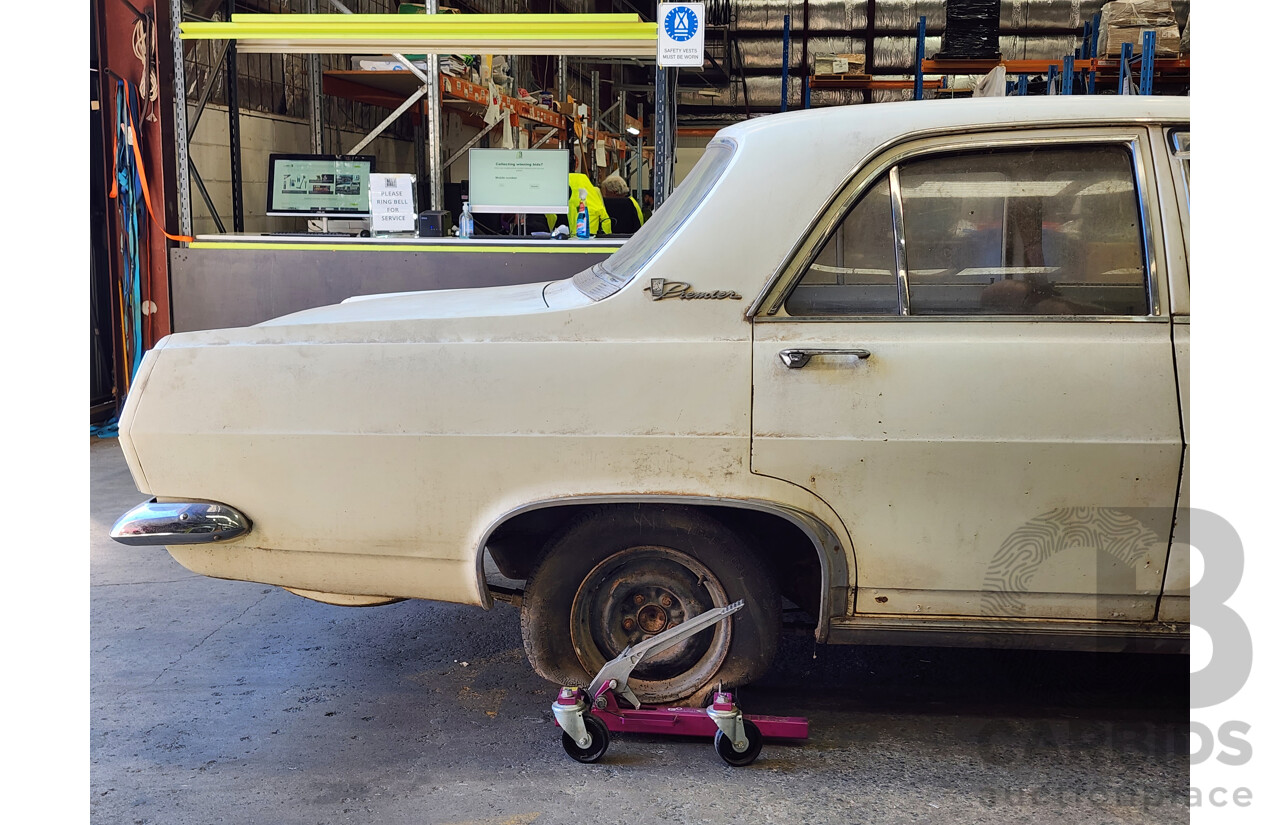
<point x="832" y="565"/>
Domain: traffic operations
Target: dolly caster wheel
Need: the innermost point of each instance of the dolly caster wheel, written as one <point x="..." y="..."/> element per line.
<point x="735" y="757"/>
<point x="599" y="741"/>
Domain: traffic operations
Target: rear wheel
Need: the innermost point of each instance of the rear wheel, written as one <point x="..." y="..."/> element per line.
<point x="623" y="574"/>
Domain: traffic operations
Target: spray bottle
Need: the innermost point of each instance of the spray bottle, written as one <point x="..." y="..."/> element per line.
<point x="584" y="223"/>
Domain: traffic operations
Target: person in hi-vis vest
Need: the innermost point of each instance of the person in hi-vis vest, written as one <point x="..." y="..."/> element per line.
<point x="624" y="213"/>
<point x="597" y="216"/>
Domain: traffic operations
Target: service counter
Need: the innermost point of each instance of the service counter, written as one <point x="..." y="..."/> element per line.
<point x="220" y="281"/>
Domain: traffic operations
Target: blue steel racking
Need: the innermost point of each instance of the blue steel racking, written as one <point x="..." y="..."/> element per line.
<point x="1085" y="64"/>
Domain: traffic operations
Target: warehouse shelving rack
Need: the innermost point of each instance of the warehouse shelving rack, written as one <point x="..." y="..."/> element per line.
<point x="1085" y="67"/>
<point x="391" y="88"/>
<point x="312" y="34"/>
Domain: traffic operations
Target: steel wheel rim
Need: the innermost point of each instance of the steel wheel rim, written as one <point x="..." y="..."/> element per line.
<point x="637" y="593"/>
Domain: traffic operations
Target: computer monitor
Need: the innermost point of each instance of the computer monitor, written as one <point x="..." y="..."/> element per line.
<point x="319" y="186"/>
<point x="518" y="180"/>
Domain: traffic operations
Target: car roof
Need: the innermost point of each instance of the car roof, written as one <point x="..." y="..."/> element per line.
<point x="919" y="115"/>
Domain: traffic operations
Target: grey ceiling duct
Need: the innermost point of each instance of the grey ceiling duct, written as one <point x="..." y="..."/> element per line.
<point x="904" y="15"/>
<point x="899" y="53"/>
<point x="765" y="53"/>
<point x="1030" y="47"/>
<point x="824" y="15"/>
<point x="1026" y="15"/>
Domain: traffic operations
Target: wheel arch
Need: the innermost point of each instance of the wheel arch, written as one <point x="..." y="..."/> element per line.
<point x="518" y="539"/>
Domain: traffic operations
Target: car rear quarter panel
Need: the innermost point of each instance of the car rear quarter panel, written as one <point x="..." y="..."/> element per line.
<point x="373" y="458"/>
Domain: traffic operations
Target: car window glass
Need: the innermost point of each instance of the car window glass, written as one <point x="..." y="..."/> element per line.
<point x="1181" y="142"/>
<point x="611" y="274"/>
<point x="854" y="273"/>
<point x="1042" y="230"/>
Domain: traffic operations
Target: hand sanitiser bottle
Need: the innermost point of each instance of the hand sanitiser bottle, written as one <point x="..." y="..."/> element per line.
<point x="466" y="224"/>
<point x="584" y="223"/>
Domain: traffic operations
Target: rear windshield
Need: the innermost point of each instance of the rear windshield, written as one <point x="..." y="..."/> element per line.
<point x="613" y="273"/>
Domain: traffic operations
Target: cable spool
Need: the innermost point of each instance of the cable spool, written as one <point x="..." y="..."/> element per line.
<point x="144" y="48"/>
<point x="719" y="12"/>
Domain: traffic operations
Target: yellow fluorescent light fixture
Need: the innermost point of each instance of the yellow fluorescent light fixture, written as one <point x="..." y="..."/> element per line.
<point x="571" y="48"/>
<point x="576" y="34"/>
<point x="508" y="31"/>
<point x="446" y="19"/>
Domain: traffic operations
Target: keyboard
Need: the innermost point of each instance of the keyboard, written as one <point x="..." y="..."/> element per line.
<point x="310" y="234"/>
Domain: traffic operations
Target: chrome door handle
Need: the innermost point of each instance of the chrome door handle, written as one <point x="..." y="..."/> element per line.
<point x="794" y="359"/>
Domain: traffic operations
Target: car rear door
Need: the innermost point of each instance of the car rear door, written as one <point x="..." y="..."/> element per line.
<point x="969" y="360"/>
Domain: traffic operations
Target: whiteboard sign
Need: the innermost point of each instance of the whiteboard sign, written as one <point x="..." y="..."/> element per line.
<point x="391" y="203"/>
<point x="518" y="180"/>
<point x="681" y="32"/>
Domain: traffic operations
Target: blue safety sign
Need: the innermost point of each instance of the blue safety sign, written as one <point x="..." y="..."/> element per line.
<point x="681" y="34"/>
<point x="681" y="23"/>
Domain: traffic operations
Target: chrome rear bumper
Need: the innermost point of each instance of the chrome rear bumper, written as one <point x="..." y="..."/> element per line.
<point x="180" y="522"/>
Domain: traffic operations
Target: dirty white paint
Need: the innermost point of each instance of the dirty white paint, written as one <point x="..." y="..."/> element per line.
<point x="374" y="443"/>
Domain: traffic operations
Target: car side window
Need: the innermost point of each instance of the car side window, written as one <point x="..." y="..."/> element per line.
<point x="1180" y="147"/>
<point x="854" y="272"/>
<point x="1180" y="141"/>
<point x="1045" y="229"/>
<point x="1039" y="230"/>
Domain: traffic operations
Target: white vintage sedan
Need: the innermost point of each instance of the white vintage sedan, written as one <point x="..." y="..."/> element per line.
<point x="914" y="372"/>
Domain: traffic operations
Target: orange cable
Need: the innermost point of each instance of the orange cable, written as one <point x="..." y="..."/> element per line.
<point x="115" y="157"/>
<point x="146" y="188"/>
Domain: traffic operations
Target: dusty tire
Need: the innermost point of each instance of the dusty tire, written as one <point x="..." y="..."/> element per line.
<point x="624" y="573"/>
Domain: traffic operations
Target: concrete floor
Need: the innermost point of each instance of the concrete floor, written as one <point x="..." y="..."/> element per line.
<point x="229" y="702"/>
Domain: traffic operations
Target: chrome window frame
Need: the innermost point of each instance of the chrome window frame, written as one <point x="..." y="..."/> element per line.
<point x="1175" y="206"/>
<point x="899" y="240"/>
<point x="768" y="306"/>
<point x="1181" y="161"/>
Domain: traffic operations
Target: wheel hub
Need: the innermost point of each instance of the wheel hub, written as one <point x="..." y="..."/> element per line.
<point x="653" y="619"/>
<point x="638" y="593"/>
